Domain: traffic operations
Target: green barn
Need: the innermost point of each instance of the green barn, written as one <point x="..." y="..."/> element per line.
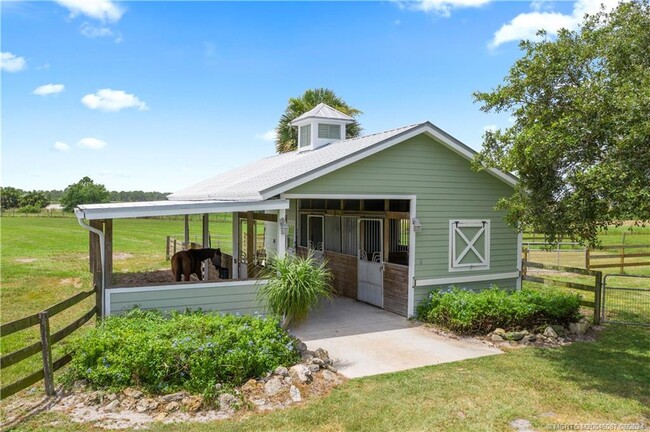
<point x="395" y="214"/>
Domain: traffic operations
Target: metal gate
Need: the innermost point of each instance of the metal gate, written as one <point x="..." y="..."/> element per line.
<point x="370" y="276"/>
<point x="627" y="304"/>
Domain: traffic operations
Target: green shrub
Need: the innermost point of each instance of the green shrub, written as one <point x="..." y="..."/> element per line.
<point x="294" y="287"/>
<point x="30" y="209"/>
<point x="189" y="351"/>
<point x="470" y="312"/>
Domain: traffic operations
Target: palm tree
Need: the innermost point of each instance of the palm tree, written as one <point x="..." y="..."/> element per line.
<point x="287" y="135"/>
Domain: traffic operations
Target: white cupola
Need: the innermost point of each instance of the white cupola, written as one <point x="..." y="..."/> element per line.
<point x="319" y="126"/>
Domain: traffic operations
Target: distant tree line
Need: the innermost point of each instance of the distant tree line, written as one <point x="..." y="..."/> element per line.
<point x="85" y="191"/>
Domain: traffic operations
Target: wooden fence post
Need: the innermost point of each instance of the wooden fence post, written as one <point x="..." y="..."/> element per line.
<point x="598" y="296"/>
<point x="523" y="267"/>
<point x="587" y="258"/>
<point x="623" y="258"/>
<point x="167" y="249"/>
<point x="48" y="367"/>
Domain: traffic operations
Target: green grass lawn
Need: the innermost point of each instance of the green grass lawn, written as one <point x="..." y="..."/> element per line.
<point x="44" y="260"/>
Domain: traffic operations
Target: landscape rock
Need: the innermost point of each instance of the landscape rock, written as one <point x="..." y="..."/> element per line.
<point x="317" y="361"/>
<point x="329" y="376"/>
<point x="530" y="338"/>
<point x="160" y="417"/>
<point x="321" y="354"/>
<point x="313" y="368"/>
<point x="192" y="403"/>
<point x="250" y="386"/>
<point x="145" y="405"/>
<point x="550" y="332"/>
<point x="579" y="328"/>
<point x="281" y="371"/>
<point x="301" y="347"/>
<point x="133" y="393"/>
<point x="228" y="402"/>
<point x="288" y="380"/>
<point x="294" y="393"/>
<point x="331" y="368"/>
<point x="307" y="355"/>
<point x="496" y="338"/>
<point x="95" y="398"/>
<point x="300" y="373"/>
<point x="172" y="406"/>
<point x="273" y="386"/>
<point x="173" y="397"/>
<point x="112" y="406"/>
<point x="499" y="331"/>
<point x="514" y="336"/>
<point x="111" y="396"/>
<point x="559" y="330"/>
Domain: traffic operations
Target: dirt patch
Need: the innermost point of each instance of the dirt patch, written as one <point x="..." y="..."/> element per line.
<point x="25" y="260"/>
<point x="143" y="278"/>
<point x="75" y="282"/>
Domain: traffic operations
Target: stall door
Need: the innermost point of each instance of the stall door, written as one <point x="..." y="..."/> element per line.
<point x="370" y="262"/>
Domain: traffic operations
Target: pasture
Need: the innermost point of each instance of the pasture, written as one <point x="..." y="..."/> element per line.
<point x="44" y="260"/>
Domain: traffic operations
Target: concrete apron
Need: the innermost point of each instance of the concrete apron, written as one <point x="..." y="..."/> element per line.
<point x="365" y="340"/>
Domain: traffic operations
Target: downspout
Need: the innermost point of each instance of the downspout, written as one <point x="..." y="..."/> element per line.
<point x="80" y="217"/>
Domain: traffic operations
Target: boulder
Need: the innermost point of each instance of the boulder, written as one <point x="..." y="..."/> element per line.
<point x="321" y="354"/>
<point x="294" y="393"/>
<point x="192" y="403"/>
<point x="559" y="330"/>
<point x="530" y="338"/>
<point x="329" y="376"/>
<point x="496" y="338"/>
<point x="173" y="397"/>
<point x="145" y="405"/>
<point x="514" y="336"/>
<point x="300" y="373"/>
<point x="549" y="332"/>
<point x="111" y="396"/>
<point x="131" y="392"/>
<point x="301" y="347"/>
<point x="313" y="368"/>
<point x="317" y="361"/>
<point x="499" y="331"/>
<point x="172" y="406"/>
<point x="281" y="371"/>
<point x="273" y="386"/>
<point x="579" y="328"/>
<point x="228" y="402"/>
<point x="112" y="406"/>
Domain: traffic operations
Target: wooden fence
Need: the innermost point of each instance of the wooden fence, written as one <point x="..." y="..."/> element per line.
<point x="605" y="258"/>
<point x="44" y="346"/>
<point x="547" y="278"/>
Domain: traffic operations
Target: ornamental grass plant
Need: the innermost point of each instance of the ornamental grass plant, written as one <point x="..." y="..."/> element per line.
<point x="294" y="286"/>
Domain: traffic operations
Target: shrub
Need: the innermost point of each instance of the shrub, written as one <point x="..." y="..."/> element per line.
<point x="189" y="351"/>
<point x="470" y="312"/>
<point x="30" y="209"/>
<point x="294" y="287"/>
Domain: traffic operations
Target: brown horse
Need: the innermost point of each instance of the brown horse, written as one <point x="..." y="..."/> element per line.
<point x="184" y="263"/>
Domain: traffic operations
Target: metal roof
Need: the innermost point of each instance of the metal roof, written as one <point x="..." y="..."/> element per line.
<point x="255" y="180"/>
<point x="323" y="111"/>
<point x="170" y="208"/>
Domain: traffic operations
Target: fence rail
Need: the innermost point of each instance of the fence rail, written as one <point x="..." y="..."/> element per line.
<point x="547" y="279"/>
<point x="620" y="258"/>
<point x="44" y="346"/>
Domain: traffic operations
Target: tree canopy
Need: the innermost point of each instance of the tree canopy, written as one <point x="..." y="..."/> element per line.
<point x="580" y="141"/>
<point x="10" y="197"/>
<point x="85" y="191"/>
<point x="287" y="136"/>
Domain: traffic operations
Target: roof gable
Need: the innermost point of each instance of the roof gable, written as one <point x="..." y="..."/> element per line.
<point x="325" y="112"/>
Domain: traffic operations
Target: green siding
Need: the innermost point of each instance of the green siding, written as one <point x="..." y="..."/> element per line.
<point x="422" y="292"/>
<point x="218" y="297"/>
<point x="446" y="188"/>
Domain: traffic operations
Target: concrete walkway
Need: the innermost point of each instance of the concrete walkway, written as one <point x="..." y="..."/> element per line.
<point x="365" y="340"/>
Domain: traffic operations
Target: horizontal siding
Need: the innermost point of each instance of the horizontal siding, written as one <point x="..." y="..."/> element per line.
<point x="446" y="188"/>
<point x="422" y="292"/>
<point x="220" y="296"/>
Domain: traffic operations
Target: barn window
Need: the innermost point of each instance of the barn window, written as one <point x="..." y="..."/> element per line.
<point x="315" y="232"/>
<point x="329" y="131"/>
<point x="305" y="136"/>
<point x="469" y="245"/>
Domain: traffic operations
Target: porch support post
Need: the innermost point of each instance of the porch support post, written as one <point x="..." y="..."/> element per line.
<point x="206" y="244"/>
<point x="282" y="239"/>
<point x="108" y="253"/>
<point x="187" y="232"/>
<point x="250" y="243"/>
<point x="235" y="245"/>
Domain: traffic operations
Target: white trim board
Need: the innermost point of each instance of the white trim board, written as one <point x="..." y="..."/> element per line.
<point x="466" y="279"/>
<point x="346" y="196"/>
<point x="109" y="291"/>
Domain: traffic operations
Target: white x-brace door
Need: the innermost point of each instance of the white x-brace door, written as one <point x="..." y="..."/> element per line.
<point x="370" y="261"/>
<point x="469" y="243"/>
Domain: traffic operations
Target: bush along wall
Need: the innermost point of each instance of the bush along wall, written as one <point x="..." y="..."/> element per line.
<point x="192" y="351"/>
<point x="469" y="312"/>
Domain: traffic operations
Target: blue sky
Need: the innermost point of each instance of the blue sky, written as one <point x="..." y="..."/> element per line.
<point x="160" y="95"/>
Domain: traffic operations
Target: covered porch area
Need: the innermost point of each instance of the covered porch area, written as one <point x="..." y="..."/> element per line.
<point x="232" y="290"/>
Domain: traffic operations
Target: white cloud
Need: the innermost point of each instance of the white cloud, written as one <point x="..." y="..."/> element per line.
<point x="113" y="100"/>
<point x="526" y="25"/>
<point x="103" y="10"/>
<point x="269" y="135"/>
<point x="91" y="31"/>
<point x="61" y="146"/>
<point x="11" y="63"/>
<point x="443" y="7"/>
<point x="490" y="128"/>
<point x="48" y="89"/>
<point x="91" y="143"/>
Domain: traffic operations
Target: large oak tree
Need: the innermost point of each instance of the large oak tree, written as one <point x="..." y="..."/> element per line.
<point x="580" y="141"/>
